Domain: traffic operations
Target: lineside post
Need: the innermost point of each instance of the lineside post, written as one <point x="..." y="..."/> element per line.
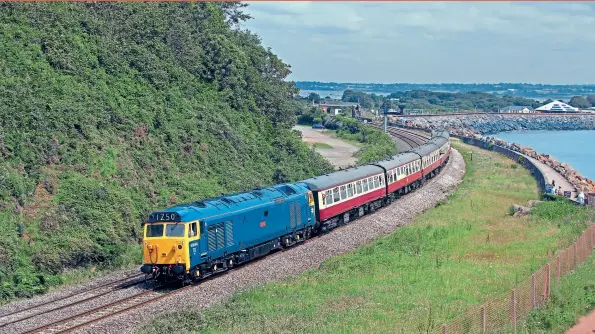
<point x="385" y="122"/>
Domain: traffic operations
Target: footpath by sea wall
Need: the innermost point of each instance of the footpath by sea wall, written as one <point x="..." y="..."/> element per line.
<point x="480" y="126"/>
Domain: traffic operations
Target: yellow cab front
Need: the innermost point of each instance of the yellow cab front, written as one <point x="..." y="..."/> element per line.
<point x="165" y="248"/>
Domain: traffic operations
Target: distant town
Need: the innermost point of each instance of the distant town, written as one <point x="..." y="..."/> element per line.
<point x="376" y="99"/>
<point x="533" y="91"/>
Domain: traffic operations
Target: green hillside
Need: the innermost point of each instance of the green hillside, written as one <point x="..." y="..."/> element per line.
<point x="109" y="111"/>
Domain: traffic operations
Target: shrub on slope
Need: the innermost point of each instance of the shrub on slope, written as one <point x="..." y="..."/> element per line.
<point x="111" y="110"/>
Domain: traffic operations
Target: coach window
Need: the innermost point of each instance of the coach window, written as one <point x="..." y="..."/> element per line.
<point x="390" y="177"/>
<point x="328" y="197"/>
<point x="381" y="180"/>
<point x="343" y="192"/>
<point x="358" y="187"/>
<point x="375" y="181"/>
<point x="336" y="197"/>
<point x="365" y="184"/>
<point x="350" y="190"/>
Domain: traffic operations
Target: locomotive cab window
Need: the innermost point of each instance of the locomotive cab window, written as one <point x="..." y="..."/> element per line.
<point x="153" y="231"/>
<point x="192" y="231"/>
<point x="174" y="230"/>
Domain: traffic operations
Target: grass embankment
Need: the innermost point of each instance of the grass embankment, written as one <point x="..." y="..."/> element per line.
<point x="572" y="298"/>
<point x="455" y="256"/>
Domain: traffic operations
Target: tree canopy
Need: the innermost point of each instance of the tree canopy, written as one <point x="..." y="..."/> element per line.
<point x="113" y="110"/>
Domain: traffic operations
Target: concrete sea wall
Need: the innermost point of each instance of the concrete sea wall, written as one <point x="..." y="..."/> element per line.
<point x="479" y="127"/>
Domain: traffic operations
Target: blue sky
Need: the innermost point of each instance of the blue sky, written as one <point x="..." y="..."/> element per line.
<point x="430" y="42"/>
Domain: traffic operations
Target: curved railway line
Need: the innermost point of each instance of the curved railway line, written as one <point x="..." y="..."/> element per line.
<point x="110" y="308"/>
<point x="411" y="138"/>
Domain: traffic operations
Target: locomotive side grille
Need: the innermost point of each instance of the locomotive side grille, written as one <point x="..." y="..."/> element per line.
<point x="229" y="233"/>
<point x="292" y="215"/>
<point x="220" y="236"/>
<point x="298" y="211"/>
<point x="212" y="238"/>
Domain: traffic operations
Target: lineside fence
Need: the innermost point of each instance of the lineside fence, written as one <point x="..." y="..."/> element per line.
<point x="509" y="309"/>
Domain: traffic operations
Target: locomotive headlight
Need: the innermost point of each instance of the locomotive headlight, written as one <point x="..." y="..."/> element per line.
<point x="179" y="246"/>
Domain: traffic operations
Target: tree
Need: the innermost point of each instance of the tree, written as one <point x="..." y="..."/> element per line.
<point x="386" y="106"/>
<point x="313" y="97"/>
<point x="579" y="102"/>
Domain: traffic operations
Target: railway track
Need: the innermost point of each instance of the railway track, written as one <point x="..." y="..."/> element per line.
<point x="85" y="318"/>
<point x="411" y="138"/>
<point x="96" y="291"/>
<point x="113" y="308"/>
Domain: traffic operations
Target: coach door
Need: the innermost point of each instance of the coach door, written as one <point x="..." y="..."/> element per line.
<point x="194" y="242"/>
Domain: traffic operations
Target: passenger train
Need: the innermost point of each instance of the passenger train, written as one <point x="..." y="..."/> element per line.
<point x="193" y="241"/>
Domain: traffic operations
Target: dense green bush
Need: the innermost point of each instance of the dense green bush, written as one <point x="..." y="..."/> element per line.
<point x="377" y="144"/>
<point x="112" y="110"/>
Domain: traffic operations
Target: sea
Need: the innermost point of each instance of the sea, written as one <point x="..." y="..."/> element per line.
<point x="572" y="147"/>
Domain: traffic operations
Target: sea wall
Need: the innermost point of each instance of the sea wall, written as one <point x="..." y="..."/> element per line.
<point x="479" y="126"/>
<point x="489" y="124"/>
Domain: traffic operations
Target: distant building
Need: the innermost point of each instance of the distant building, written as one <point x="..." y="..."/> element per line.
<point x="517" y="110"/>
<point x="336" y="108"/>
<point x="557" y="107"/>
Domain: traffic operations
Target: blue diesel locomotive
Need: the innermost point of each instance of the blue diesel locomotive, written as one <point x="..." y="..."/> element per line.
<point x="197" y="240"/>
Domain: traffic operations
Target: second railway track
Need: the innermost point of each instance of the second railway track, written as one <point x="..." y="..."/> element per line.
<point x="411" y="138"/>
<point x="20" y="315"/>
<point x="86" y="318"/>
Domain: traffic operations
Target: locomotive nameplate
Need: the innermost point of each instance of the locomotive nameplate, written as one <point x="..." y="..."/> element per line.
<point x="156" y="217"/>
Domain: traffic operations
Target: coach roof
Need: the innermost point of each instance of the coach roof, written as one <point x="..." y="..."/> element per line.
<point x="337" y="178"/>
<point x="398" y="160"/>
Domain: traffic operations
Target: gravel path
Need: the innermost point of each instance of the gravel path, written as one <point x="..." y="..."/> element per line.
<point x="341" y="153"/>
<point x="298" y="259"/>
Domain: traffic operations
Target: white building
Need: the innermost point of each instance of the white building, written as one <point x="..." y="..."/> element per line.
<point x="517" y="110"/>
<point x="557" y="107"/>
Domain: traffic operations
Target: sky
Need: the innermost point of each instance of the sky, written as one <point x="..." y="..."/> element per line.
<point x="430" y="42"/>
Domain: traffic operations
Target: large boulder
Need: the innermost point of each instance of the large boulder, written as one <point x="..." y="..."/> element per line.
<point x="520" y="210"/>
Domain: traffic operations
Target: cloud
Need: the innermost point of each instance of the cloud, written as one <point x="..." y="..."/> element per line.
<point x="430" y="41"/>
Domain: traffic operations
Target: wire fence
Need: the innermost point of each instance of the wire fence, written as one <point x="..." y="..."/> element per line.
<point x="508" y="310"/>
